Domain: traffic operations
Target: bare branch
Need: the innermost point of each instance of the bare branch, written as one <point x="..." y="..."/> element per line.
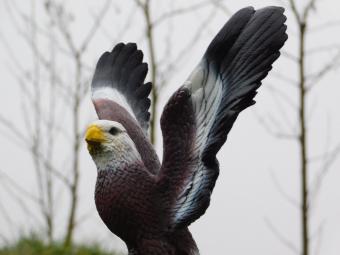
<point x="22" y="203"/>
<point x="221" y="6"/>
<point x="326" y="166"/>
<point x="55" y="172"/>
<point x="289" y="56"/>
<point x="319" y="235"/>
<point x="140" y="4"/>
<point x="4" y="239"/>
<point x="274" y="132"/>
<point x="11" y="184"/>
<point x="330" y="66"/>
<point x="183" y="53"/>
<point x="43" y="128"/>
<point x="22" y="32"/>
<point x="60" y="18"/>
<point x="327" y="25"/>
<point x="17" y="187"/>
<point x="272" y="88"/>
<point x="284" y="78"/>
<point x="6" y="216"/>
<point x="181" y="11"/>
<point x="85" y="216"/>
<point x="284" y="194"/>
<point x="24" y="82"/>
<point x="167" y="55"/>
<point x="11" y="54"/>
<point x="295" y="11"/>
<point x="324" y="48"/>
<point x="279" y="97"/>
<point x="280" y="237"/>
<point x="97" y="23"/>
<point x="12" y="128"/>
<point x="322" y="156"/>
<point x="125" y="27"/>
<point x="310" y="6"/>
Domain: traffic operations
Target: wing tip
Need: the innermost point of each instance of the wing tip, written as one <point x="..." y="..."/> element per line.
<point x="247" y="63"/>
<point x="234" y="27"/>
<point x="119" y="76"/>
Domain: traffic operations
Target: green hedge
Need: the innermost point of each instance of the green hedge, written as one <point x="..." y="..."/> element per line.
<point x="34" y="246"/>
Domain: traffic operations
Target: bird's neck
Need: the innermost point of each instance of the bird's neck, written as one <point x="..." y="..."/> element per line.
<point x="116" y="159"/>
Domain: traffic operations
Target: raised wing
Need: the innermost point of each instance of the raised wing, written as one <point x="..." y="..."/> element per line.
<point x="198" y="117"/>
<point x="119" y="94"/>
<point x="120" y="76"/>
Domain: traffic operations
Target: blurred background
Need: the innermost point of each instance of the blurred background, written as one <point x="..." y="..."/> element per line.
<point x="278" y="190"/>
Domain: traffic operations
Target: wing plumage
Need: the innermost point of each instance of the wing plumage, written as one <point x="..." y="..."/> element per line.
<point x="221" y="86"/>
<point x="119" y="77"/>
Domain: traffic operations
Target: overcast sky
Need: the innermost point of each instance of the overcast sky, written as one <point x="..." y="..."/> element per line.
<point x="246" y="196"/>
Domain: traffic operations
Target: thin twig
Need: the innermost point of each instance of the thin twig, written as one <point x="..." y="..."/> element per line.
<point x="289" y="56"/>
<point x="183" y="53"/>
<point x="319" y="235"/>
<point x="284" y="194"/>
<point x="274" y="132"/>
<point x="295" y="11"/>
<point x="310" y="6"/>
<point x="327" y="25"/>
<point x="323" y="172"/>
<point x="17" y="187"/>
<point x="313" y="79"/>
<point x="280" y="237"/>
<point x="13" y="129"/>
<point x="96" y="25"/>
<point x="284" y="78"/>
<point x="180" y="11"/>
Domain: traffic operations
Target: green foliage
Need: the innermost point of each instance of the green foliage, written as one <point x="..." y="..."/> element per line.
<point x="35" y="246"/>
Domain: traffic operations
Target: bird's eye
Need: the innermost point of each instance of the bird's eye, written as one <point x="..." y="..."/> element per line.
<point x="114" y="131"/>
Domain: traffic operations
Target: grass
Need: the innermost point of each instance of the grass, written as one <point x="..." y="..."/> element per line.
<point x="35" y="246"/>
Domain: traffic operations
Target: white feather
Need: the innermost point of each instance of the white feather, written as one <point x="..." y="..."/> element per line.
<point x="205" y="88"/>
<point x="113" y="95"/>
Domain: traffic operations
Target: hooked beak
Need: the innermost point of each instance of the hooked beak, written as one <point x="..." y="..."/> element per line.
<point x="94" y="135"/>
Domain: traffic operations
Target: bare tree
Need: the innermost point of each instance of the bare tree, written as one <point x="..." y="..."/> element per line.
<point x="34" y="122"/>
<point x="45" y="95"/>
<point x="304" y="84"/>
<point x="78" y="91"/>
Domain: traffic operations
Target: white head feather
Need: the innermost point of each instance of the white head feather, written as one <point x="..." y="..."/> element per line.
<point x="110" y="145"/>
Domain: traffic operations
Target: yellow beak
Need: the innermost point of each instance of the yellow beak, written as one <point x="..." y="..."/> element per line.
<point x="94" y="134"/>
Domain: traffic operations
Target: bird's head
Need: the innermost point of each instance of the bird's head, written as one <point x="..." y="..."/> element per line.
<point x="109" y="143"/>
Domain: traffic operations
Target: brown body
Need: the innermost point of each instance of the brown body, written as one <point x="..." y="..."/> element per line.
<point x="118" y="193"/>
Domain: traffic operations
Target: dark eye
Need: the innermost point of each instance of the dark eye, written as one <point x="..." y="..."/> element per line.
<point x="114" y="131"/>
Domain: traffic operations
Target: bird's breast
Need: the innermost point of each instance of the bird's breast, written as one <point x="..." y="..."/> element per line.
<point x="125" y="202"/>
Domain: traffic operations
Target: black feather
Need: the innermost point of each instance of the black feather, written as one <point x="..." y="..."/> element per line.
<point x="242" y="54"/>
<point x="144" y="90"/>
<point x="123" y="69"/>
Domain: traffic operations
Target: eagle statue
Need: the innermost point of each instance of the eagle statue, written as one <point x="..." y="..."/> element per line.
<point x="149" y="204"/>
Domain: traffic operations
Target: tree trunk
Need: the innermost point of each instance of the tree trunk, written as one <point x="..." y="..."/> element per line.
<point x="303" y="142"/>
<point x="76" y="149"/>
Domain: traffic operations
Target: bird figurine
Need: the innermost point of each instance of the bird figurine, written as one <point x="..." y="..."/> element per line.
<point x="148" y="204"/>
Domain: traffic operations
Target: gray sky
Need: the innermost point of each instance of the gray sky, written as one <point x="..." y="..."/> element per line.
<point x="246" y="196"/>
